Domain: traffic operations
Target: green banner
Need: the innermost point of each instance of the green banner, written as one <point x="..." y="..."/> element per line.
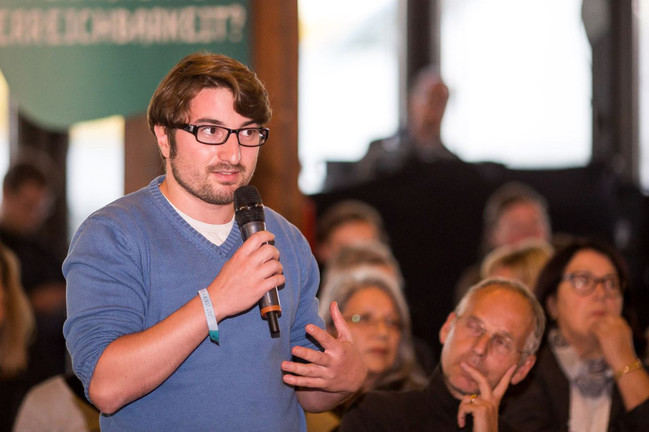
<point x="74" y="60"/>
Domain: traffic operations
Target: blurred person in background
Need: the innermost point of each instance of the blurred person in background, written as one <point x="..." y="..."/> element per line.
<point x="513" y="213"/>
<point x="27" y="202"/>
<point x="522" y="262"/>
<point x="588" y="375"/>
<point x="16" y="331"/>
<point x="421" y="139"/>
<point x="360" y="258"/>
<point x="344" y="223"/>
<point x="365" y="259"/>
<point x="379" y="320"/>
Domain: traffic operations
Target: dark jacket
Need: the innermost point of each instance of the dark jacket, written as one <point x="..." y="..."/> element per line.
<point x="430" y="409"/>
<point x="542" y="402"/>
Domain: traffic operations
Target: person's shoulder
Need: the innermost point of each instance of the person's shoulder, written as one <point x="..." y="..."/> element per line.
<point x="276" y="223"/>
<point x="385" y="147"/>
<point x="141" y="212"/>
<point x="145" y="200"/>
<point x="287" y="235"/>
<point x="140" y="198"/>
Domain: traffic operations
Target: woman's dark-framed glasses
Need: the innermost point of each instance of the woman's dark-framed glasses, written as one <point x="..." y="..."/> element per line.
<point x="584" y="283"/>
<point x="217" y="135"/>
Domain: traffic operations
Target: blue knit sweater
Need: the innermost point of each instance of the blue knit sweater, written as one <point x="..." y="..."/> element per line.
<point x="136" y="261"/>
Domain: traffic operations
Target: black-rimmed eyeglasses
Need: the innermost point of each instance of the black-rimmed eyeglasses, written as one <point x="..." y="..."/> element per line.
<point x="584" y="283"/>
<point x="217" y="135"/>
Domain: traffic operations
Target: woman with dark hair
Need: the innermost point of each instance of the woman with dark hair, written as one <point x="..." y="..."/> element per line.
<point x="587" y="376"/>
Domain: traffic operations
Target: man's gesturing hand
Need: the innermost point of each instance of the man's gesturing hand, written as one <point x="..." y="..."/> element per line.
<point x="339" y="368"/>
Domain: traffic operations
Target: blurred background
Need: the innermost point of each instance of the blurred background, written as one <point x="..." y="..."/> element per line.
<point x="519" y="73"/>
<point x="554" y="93"/>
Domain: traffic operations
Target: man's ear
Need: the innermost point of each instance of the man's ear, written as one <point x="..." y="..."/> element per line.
<point x="163" y="140"/>
<point x="446" y="328"/>
<point x="523" y="369"/>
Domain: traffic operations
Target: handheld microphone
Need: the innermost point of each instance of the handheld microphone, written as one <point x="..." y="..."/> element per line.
<point x="249" y="214"/>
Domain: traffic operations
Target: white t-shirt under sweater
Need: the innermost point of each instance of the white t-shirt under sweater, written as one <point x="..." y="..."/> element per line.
<point x="215" y="233"/>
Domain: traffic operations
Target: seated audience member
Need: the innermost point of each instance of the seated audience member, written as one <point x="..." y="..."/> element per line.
<point x="489" y="341"/>
<point x="16" y="330"/>
<point x="347" y="222"/>
<point x="588" y="376"/>
<point x="58" y="404"/>
<point x="379" y="320"/>
<point x="522" y="262"/>
<point x="513" y="213"/>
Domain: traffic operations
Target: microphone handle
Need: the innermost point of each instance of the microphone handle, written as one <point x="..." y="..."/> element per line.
<point x="269" y="306"/>
<point x="271" y="310"/>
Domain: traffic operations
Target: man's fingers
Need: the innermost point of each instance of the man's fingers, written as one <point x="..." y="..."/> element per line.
<point x="312" y="356"/>
<point x="322" y="336"/>
<point x="296" y="368"/>
<point x="302" y="381"/>
<point x="339" y="322"/>
<point x="255" y="241"/>
<point x="465" y="408"/>
<point x="503" y="384"/>
<point x="483" y="384"/>
<point x="304" y="374"/>
<point x="326" y="340"/>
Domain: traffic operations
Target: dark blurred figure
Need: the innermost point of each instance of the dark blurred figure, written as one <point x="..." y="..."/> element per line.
<point x="358" y="258"/>
<point x="16" y="331"/>
<point x="513" y="213"/>
<point x="522" y="262"/>
<point x="419" y="140"/>
<point x="27" y="202"/>
<point x="348" y="222"/>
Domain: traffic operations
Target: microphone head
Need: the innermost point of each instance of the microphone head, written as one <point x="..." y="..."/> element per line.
<point x="247" y="205"/>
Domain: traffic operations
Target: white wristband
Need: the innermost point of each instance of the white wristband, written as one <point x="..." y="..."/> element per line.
<point x="212" y="325"/>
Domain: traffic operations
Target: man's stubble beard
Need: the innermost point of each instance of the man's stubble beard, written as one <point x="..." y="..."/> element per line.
<point x="205" y="191"/>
